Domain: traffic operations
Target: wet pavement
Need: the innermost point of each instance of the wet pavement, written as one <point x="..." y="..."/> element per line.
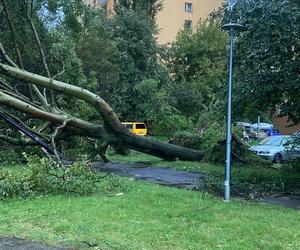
<point x="12" y="243"/>
<point x="286" y="201"/>
<point x="158" y="175"/>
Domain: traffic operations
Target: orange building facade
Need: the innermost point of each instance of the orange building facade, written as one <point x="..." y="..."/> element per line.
<point x="175" y="15"/>
<point x="285" y="126"/>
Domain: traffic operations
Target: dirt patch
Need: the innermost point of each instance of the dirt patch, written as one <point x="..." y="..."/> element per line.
<point x="12" y="243"/>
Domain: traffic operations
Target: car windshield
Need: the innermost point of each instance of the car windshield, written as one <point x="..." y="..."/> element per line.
<point x="271" y="141"/>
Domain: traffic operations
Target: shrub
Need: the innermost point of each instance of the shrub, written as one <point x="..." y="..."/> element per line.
<point x="43" y="177"/>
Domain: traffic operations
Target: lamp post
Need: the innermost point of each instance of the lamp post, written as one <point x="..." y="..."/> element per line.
<point x="232" y="28"/>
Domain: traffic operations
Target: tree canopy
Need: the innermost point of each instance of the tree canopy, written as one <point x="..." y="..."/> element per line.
<point x="267" y="58"/>
<point x="197" y="62"/>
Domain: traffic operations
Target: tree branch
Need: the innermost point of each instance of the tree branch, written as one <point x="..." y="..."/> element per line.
<point x="16" y="142"/>
<point x="36" y="90"/>
<point x="110" y="118"/>
<point x="86" y="127"/>
<point x="6" y="86"/>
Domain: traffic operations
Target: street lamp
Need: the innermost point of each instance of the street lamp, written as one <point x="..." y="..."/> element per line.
<point x="232" y="28"/>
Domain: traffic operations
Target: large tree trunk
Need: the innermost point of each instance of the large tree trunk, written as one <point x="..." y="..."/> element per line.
<point x="113" y="131"/>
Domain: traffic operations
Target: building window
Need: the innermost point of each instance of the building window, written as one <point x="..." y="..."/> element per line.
<point x="188" y="24"/>
<point x="188" y="7"/>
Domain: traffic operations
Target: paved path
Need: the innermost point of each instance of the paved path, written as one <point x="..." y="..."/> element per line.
<point x="159" y="175"/>
<point x="12" y="243"/>
<point x="177" y="178"/>
<point x="286" y="201"/>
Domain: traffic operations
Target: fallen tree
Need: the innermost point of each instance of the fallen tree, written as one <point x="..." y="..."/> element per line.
<point x="112" y="133"/>
<point x="39" y="102"/>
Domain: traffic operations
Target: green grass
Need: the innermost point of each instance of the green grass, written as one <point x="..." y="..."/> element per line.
<point x="148" y="216"/>
<point x="151" y="217"/>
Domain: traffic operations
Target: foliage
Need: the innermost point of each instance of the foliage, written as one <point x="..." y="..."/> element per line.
<point x="293" y="167"/>
<point x="8" y="155"/>
<point x="177" y="122"/>
<point x="154" y="105"/>
<point x="43" y="177"/>
<point x="99" y="54"/>
<point x="268" y="58"/>
<point x="151" y="7"/>
<point x="11" y="155"/>
<point x="197" y="62"/>
<point x="186" y="139"/>
<point x="134" y="34"/>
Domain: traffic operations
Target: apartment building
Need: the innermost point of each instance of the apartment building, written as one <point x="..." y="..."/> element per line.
<point x="179" y="14"/>
<point x="176" y="15"/>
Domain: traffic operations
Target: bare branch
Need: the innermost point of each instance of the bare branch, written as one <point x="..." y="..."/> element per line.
<point x="53" y="137"/>
<point x="6" y="57"/>
<point x="14" y="33"/>
<point x="25" y="125"/>
<point x="19" y="96"/>
<point x="29" y="7"/>
<point x="60" y="73"/>
<point x="125" y="139"/>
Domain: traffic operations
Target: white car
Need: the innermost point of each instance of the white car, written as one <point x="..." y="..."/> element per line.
<point x="278" y="149"/>
<point x="264" y="126"/>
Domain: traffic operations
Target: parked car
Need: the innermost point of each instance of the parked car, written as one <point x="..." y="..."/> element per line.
<point x="273" y="132"/>
<point x="262" y="125"/>
<point x="243" y="125"/>
<point x="297" y="133"/>
<point x="253" y="134"/>
<point x="277" y="149"/>
<point x="138" y="128"/>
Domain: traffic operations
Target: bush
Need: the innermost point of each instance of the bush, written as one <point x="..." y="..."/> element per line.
<point x="43" y="177"/>
<point x="169" y="125"/>
<point x="10" y="154"/>
<point x="186" y="139"/>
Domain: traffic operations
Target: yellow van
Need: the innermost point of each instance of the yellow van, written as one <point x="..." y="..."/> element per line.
<point x="138" y="128"/>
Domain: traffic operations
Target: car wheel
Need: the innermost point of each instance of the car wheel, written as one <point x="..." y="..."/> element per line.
<point x="277" y="159"/>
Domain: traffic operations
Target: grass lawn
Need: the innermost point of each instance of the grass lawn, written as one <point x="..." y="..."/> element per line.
<point x="151" y="217"/>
